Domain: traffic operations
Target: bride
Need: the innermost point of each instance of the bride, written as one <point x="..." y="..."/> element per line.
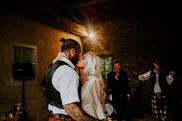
<point x="92" y="91"/>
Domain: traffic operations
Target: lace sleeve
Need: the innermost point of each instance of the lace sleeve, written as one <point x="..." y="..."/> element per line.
<point x="95" y="90"/>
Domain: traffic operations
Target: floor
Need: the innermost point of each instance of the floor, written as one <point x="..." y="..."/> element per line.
<point x="147" y="118"/>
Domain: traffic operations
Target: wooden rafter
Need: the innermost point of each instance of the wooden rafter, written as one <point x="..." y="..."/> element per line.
<point x="97" y="14"/>
<point x="84" y="14"/>
<point x="87" y="3"/>
<point x="109" y="10"/>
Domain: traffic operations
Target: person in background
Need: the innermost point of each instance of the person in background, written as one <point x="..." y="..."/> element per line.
<point x="118" y="84"/>
<point x="160" y="89"/>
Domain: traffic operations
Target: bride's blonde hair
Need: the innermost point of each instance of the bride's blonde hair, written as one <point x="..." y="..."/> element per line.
<point x="93" y="67"/>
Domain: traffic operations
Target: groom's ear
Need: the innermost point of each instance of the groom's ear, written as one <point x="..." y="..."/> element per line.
<point x="72" y="52"/>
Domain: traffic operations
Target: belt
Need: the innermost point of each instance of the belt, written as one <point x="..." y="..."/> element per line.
<point x="61" y="117"/>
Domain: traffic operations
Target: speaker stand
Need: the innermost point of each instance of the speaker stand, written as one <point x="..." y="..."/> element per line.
<point x="25" y="116"/>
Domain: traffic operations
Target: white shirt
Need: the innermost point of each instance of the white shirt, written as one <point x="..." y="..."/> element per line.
<point x="65" y="80"/>
<point x="157" y="88"/>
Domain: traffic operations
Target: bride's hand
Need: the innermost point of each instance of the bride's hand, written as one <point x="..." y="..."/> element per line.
<point x="109" y="119"/>
<point x="60" y="55"/>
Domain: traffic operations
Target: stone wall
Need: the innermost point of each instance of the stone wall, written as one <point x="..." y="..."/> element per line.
<point x="136" y="42"/>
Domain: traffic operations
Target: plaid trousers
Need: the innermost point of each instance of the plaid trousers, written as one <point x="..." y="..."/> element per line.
<point x="160" y="106"/>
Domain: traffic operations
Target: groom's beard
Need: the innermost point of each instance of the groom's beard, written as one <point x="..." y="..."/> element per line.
<point x="74" y="60"/>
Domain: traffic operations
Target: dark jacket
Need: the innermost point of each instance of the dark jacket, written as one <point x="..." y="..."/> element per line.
<point x="119" y="87"/>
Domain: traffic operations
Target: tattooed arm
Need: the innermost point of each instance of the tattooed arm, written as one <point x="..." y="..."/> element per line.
<point x="75" y="111"/>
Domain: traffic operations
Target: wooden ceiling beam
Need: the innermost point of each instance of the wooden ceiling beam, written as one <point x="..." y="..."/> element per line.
<point x="84" y="15"/>
<point x="88" y="3"/>
<point x="109" y="10"/>
<point x="96" y="12"/>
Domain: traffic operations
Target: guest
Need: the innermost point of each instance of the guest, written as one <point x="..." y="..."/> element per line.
<point x="160" y="89"/>
<point x="118" y="84"/>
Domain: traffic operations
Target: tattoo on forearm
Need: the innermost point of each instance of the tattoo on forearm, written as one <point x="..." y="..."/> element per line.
<point x="77" y="113"/>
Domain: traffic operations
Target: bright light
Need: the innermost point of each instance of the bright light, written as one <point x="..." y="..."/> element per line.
<point x="91" y="35"/>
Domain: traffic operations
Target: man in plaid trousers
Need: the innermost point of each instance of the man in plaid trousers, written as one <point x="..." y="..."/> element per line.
<point x="160" y="89"/>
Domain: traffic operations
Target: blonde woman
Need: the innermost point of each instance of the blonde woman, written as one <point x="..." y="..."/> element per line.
<point x="92" y="91"/>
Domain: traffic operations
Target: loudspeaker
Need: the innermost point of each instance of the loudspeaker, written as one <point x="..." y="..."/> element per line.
<point x="23" y="70"/>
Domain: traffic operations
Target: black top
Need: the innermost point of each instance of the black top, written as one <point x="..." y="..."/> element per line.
<point x="162" y="82"/>
<point x="119" y="87"/>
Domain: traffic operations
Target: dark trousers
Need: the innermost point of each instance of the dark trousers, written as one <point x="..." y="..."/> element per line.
<point x="123" y="109"/>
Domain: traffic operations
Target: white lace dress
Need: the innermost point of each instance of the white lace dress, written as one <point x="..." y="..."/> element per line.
<point x="90" y="98"/>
